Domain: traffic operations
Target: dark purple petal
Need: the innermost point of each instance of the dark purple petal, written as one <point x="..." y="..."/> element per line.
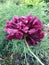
<point x="41" y="35"/>
<point x="10" y="31"/>
<point x="19" y="35"/>
<point x="10" y="37"/>
<point x="15" y="19"/>
<point x="30" y="41"/>
<point x="31" y="31"/>
<point x="23" y="19"/>
<point x="36" y="23"/>
<point x="19" y="25"/>
<point x="25" y="29"/>
<point x="29" y="18"/>
<point x="10" y="25"/>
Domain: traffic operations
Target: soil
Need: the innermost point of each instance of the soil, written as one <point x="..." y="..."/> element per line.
<point x="20" y="60"/>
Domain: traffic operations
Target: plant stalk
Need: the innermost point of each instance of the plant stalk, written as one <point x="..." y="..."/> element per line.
<point x="34" y="54"/>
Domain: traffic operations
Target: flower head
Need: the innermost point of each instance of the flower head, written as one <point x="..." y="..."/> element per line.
<point x="28" y="26"/>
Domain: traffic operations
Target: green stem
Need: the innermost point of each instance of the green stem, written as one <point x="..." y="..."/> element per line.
<point x="25" y="55"/>
<point x="34" y="54"/>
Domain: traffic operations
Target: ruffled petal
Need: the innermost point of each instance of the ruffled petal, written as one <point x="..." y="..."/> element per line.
<point x="19" y="35"/>
<point x="32" y="31"/>
<point x="25" y="29"/>
<point x="10" y="31"/>
<point x="29" y="18"/>
<point x="41" y="35"/>
<point x="30" y="41"/>
<point x="23" y="19"/>
<point x="15" y="19"/>
<point x="10" y="37"/>
<point x="37" y="23"/>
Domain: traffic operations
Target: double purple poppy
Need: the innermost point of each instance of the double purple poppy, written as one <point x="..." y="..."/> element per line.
<point x="28" y="26"/>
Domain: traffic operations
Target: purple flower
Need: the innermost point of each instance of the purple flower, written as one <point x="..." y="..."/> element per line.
<point x="28" y="26"/>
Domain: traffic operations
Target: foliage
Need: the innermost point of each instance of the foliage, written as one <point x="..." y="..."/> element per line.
<point x="31" y="2"/>
<point x="2" y="1"/>
<point x="46" y="1"/>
